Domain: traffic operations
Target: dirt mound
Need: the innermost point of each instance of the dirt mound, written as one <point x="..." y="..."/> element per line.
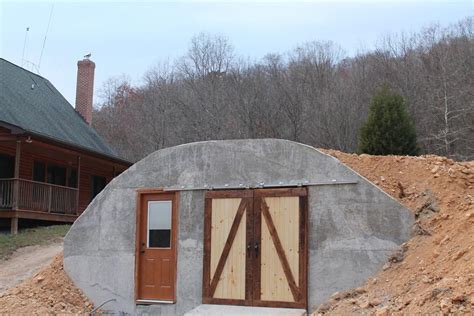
<point x="49" y="291"/>
<point x="434" y="271"/>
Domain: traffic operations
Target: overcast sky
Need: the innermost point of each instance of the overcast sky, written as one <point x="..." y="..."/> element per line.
<point x="129" y="38"/>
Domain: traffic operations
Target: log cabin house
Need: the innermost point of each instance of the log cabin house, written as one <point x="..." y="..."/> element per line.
<point x="52" y="162"/>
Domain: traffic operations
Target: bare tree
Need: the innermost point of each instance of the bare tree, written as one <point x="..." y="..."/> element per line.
<point x="313" y="94"/>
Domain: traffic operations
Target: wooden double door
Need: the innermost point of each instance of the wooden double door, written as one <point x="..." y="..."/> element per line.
<point x="255" y="247"/>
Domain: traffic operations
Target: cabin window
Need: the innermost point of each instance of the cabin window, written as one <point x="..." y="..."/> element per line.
<point x="98" y="183"/>
<point x="7" y="166"/>
<point x="56" y="175"/>
<point x="159" y="224"/>
<point x="39" y="171"/>
<point x="72" y="179"/>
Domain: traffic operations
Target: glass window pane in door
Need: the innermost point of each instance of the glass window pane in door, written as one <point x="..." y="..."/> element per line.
<point x="159" y="224"/>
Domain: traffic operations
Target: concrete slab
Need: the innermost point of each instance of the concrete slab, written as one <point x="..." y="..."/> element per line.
<point x="232" y="310"/>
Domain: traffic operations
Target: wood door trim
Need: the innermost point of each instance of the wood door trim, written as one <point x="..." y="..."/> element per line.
<point x="174" y="233"/>
<point x="206" y="275"/>
<point x="229" y="194"/>
<point x="280" y="251"/>
<point x="228" y="245"/>
<point x="249" y="265"/>
<point x="303" y="249"/>
<point x="256" y="266"/>
<point x="226" y="301"/>
<point x="281" y="192"/>
<point x="138" y="212"/>
<point x="142" y="191"/>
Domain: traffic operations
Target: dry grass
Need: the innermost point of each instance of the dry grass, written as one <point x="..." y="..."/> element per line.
<point x="29" y="237"/>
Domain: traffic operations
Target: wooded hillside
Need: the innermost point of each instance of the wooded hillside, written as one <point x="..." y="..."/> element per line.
<point x="314" y="94"/>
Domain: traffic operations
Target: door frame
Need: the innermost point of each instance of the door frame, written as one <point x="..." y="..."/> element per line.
<point x="174" y="239"/>
<point x="253" y="224"/>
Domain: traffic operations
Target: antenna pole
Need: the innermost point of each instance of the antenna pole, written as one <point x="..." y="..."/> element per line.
<point x="45" y="36"/>
<point x="24" y="46"/>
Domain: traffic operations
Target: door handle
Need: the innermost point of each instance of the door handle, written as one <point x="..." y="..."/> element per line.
<point x="249" y="248"/>
<point x="142" y="248"/>
<point x="256" y="247"/>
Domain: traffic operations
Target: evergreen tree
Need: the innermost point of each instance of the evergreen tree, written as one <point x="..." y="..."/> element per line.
<point x="389" y="129"/>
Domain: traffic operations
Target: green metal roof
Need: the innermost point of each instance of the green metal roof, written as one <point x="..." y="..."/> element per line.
<point x="32" y="103"/>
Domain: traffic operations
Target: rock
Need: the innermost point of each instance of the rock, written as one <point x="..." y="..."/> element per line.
<point x="459" y="254"/>
<point x="384" y="311"/>
<point x="324" y="307"/>
<point x="374" y="302"/>
<point x="336" y="296"/>
<point x="444" y="304"/>
<point x="401" y="193"/>
<point x="364" y="304"/>
<point x="435" y="169"/>
<point x="445" y="239"/>
<point x="418" y="230"/>
<point x="386" y="266"/>
<point x="397" y="256"/>
<point x="16" y="291"/>
<point x="458" y="299"/>
<point x="426" y="279"/>
<point x="445" y="216"/>
<point x="360" y="290"/>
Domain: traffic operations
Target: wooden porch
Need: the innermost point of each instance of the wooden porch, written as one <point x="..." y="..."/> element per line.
<point x="44" y="181"/>
<point x="21" y="198"/>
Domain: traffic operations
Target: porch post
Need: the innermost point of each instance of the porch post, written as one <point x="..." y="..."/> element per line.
<point x="16" y="181"/>
<point x="14" y="225"/>
<point x="78" y="183"/>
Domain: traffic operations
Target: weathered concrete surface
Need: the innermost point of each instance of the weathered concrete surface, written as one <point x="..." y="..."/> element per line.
<point x="352" y="231"/>
<point x="229" y="310"/>
<point x="353" y="227"/>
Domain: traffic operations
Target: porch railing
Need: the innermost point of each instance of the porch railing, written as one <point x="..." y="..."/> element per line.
<point x="37" y="196"/>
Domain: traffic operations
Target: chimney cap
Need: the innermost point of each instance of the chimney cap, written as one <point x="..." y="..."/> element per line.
<point x="85" y="63"/>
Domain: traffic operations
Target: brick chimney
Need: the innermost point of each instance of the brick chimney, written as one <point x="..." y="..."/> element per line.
<point x="85" y="88"/>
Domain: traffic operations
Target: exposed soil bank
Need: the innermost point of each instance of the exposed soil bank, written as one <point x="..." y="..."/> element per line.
<point x="25" y="262"/>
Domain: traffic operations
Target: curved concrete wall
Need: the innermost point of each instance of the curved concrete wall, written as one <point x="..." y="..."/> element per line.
<point x="353" y="227"/>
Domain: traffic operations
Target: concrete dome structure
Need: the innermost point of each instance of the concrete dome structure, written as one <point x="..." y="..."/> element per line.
<point x="248" y="222"/>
